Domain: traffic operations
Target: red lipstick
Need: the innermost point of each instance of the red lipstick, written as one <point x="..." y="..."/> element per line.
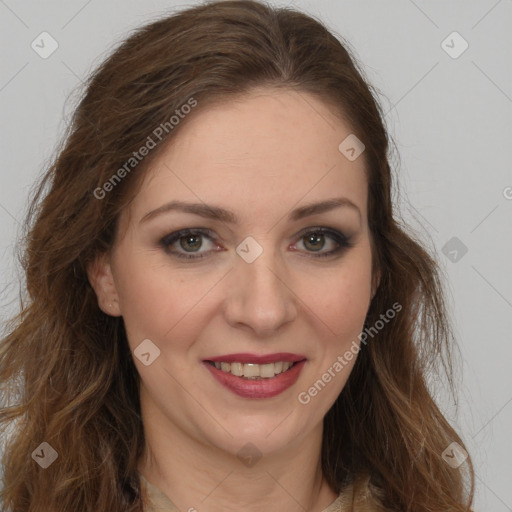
<point x="257" y="388"/>
<point x="257" y="359"/>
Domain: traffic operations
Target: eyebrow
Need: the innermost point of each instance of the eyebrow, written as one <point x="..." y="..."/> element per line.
<point x="227" y="216"/>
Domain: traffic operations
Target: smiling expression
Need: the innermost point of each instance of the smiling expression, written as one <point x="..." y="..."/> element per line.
<point x="222" y="253"/>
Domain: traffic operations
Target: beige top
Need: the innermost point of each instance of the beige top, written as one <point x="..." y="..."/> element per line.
<point x="346" y="502"/>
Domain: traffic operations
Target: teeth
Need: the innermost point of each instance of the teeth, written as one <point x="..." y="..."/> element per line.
<point x="267" y="370"/>
<point x="254" y="371"/>
<point x="236" y="369"/>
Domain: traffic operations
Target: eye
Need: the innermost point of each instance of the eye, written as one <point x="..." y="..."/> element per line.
<point x="191" y="241"/>
<point x="188" y="239"/>
<point x="314" y="239"/>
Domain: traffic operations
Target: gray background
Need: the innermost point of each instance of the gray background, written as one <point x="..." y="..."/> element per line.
<point x="451" y="119"/>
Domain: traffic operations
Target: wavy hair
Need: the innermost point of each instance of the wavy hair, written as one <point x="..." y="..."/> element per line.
<point x="67" y="373"/>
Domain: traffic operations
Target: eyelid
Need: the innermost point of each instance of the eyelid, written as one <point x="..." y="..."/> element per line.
<point x="343" y="241"/>
<point x="176" y="235"/>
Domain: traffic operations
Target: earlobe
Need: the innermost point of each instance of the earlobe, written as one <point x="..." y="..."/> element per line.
<point x="99" y="272"/>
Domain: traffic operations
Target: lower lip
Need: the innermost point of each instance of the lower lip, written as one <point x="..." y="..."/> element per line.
<point x="262" y="388"/>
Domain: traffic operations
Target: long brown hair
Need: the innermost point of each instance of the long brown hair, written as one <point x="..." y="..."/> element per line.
<point x="67" y="373"/>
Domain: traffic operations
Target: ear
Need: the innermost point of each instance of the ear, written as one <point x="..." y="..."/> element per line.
<point x="99" y="272"/>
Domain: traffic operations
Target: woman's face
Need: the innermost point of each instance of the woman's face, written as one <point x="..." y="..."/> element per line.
<point x="256" y="284"/>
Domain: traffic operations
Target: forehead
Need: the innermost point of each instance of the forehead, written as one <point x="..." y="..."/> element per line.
<point x="269" y="150"/>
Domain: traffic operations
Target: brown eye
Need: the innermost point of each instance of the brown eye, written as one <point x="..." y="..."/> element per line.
<point x="314" y="241"/>
<point x="190" y="241"/>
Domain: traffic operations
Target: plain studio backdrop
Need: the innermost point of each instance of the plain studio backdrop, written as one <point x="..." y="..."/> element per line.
<point x="443" y="68"/>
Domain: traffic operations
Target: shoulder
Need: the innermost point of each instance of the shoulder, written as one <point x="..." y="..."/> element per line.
<point x="364" y="497"/>
<point x="357" y="496"/>
<point x="154" y="500"/>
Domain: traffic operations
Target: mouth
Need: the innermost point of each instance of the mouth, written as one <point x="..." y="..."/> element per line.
<point x="252" y="376"/>
<point x="254" y="371"/>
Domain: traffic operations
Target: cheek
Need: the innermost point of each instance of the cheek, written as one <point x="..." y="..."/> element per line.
<point x="151" y="303"/>
<point x="340" y="298"/>
<point x="155" y="300"/>
<point x="160" y="303"/>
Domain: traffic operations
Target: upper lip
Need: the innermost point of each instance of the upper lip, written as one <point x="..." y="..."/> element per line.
<point x="257" y="359"/>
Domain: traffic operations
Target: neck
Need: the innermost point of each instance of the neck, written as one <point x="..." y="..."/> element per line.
<point x="198" y="476"/>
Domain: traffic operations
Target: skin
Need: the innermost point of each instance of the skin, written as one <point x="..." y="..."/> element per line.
<point x="261" y="157"/>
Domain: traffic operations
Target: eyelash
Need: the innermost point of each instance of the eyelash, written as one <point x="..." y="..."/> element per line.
<point x="343" y="241"/>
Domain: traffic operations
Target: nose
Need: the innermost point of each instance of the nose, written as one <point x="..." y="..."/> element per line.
<point x="260" y="295"/>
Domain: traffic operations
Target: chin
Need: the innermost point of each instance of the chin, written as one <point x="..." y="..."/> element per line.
<point x="263" y="434"/>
